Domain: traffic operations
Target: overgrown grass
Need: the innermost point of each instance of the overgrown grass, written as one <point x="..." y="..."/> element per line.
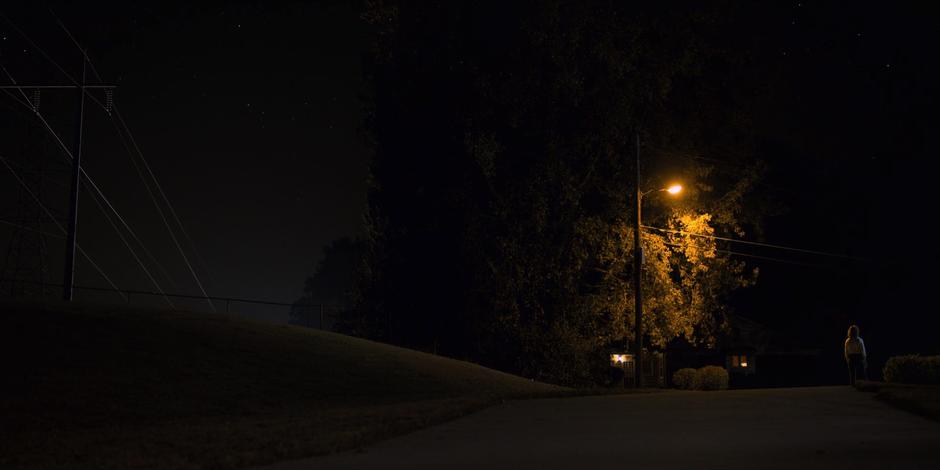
<point x="923" y="400"/>
<point x="105" y="387"/>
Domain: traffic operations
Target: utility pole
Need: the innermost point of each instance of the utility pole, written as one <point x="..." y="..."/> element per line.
<point x="638" y="268"/>
<point x="76" y="152"/>
<point x="637" y="272"/>
<point x="70" y="242"/>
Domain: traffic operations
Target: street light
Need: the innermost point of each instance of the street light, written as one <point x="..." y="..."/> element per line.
<point x="638" y="269"/>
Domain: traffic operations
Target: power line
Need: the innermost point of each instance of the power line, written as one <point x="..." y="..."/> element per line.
<point x="94" y="186"/>
<point x="176" y="217"/>
<point x="767" y="245"/>
<point x="100" y="194"/>
<point x="30" y="229"/>
<point x="16" y="98"/>
<point x="120" y="235"/>
<point x="184" y="296"/>
<point x="72" y="232"/>
<point x="80" y="250"/>
<point x="162" y="216"/>
<point x="50" y="59"/>
<point x="127" y="227"/>
<point x="766" y="258"/>
<point x="75" y="41"/>
<point x="35" y="46"/>
<point x="152" y="258"/>
<point x="37" y="113"/>
<point x="150" y="172"/>
<point x="56" y="222"/>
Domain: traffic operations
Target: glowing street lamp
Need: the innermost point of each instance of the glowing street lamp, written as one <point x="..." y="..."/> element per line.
<point x="638" y="269"/>
<point x="617" y="359"/>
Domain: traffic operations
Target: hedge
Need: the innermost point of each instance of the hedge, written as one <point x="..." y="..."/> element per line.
<point x="913" y="369"/>
<point x="684" y="378"/>
<point x="711" y="378"/>
<point x="705" y="378"/>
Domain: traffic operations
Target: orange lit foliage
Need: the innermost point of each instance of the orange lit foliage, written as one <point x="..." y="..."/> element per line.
<point x="685" y="278"/>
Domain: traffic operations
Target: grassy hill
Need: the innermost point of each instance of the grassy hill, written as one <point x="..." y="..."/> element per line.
<point x="89" y="386"/>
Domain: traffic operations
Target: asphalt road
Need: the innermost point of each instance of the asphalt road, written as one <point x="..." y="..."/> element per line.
<point x="797" y="428"/>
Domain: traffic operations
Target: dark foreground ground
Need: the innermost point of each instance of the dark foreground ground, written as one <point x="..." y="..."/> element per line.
<point x="115" y="387"/>
<point x="797" y="428"/>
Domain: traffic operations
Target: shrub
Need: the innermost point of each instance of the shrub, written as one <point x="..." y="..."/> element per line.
<point x="684" y="378"/>
<point x="913" y="369"/>
<point x="710" y="378"/>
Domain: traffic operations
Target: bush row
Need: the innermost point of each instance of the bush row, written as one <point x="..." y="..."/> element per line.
<point x="913" y="369"/>
<point x="705" y="378"/>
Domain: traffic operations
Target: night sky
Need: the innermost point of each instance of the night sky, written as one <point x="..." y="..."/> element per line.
<point x="250" y="115"/>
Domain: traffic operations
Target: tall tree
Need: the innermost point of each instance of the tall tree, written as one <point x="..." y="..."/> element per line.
<point x="334" y="286"/>
<point x="500" y="208"/>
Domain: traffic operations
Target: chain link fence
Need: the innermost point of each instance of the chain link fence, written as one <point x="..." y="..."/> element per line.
<point x="304" y="313"/>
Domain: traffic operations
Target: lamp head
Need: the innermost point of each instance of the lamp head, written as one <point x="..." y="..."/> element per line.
<point x="674" y="189"/>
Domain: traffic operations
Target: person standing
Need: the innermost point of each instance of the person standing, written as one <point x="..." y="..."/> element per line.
<point x="855" y="356"/>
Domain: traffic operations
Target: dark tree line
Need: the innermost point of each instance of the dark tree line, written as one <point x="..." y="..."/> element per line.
<point x="500" y="210"/>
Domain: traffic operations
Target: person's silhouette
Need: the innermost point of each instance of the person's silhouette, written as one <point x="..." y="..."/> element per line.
<point x="855" y="355"/>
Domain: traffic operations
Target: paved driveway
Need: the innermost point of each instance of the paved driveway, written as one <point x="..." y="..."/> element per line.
<point x="797" y="428"/>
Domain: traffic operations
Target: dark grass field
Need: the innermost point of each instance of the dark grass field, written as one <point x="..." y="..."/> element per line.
<point x="89" y="386"/>
<point x="923" y="400"/>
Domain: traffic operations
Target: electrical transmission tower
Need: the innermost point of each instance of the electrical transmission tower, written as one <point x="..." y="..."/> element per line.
<point x="75" y="153"/>
<point x="25" y="268"/>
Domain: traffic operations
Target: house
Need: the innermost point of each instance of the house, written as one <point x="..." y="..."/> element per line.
<point x="753" y="355"/>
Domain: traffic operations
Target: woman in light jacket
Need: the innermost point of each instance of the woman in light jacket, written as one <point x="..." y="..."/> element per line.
<point x="855" y="356"/>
